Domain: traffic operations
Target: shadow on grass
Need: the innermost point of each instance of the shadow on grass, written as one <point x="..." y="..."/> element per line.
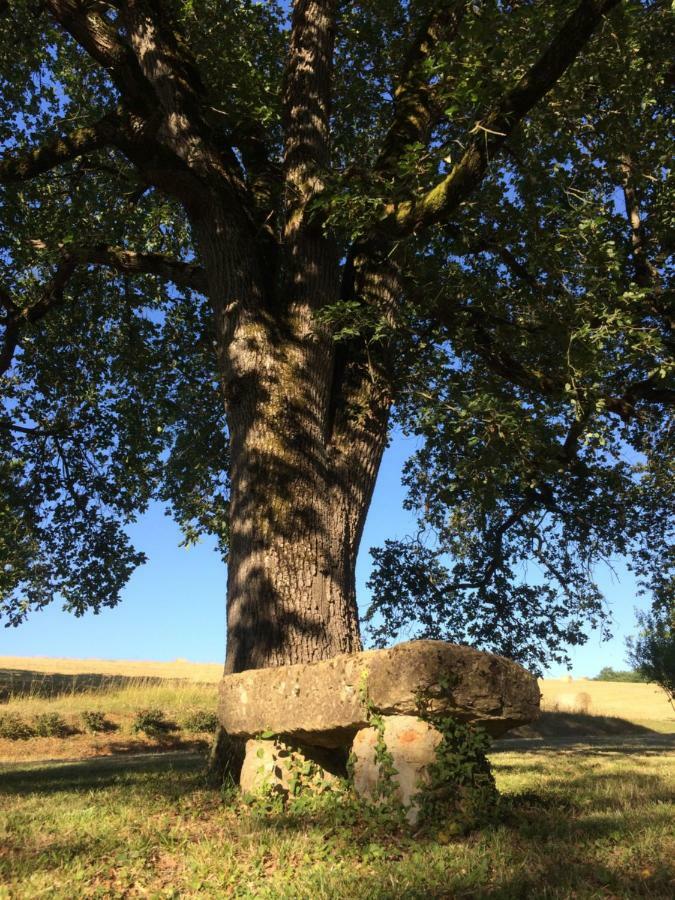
<point x="575" y="835"/>
<point x="571" y="876"/>
<point x="20" y="683"/>
<point x="23" y="778"/>
<point x="652" y="744"/>
<point x="575" y="838"/>
<point x="578" y="724"/>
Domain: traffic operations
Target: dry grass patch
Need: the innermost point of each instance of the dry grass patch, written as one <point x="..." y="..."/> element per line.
<point x="177" y="668"/>
<point x="633" y="702"/>
<point x="117" y="698"/>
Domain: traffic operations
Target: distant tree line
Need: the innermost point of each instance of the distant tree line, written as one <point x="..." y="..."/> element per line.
<point x="609" y="674"/>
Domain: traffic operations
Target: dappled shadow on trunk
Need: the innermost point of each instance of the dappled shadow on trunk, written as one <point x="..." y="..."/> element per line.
<point x="296" y="515"/>
<point x="306" y="437"/>
<point x="264" y="627"/>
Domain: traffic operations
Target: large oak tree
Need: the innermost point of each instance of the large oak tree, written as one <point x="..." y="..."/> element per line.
<point x="241" y="243"/>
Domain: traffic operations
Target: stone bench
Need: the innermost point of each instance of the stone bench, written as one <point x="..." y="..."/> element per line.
<point x="325" y="704"/>
<point x="317" y="712"/>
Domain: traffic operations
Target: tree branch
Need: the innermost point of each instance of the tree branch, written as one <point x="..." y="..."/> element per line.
<point x="29" y="432"/>
<point x="488" y="242"/>
<point x="488" y="135"/>
<point x="103" y="43"/>
<point x="414" y="96"/>
<point x="6" y="301"/>
<point x="178" y="97"/>
<point x="188" y="275"/>
<point x="52" y="295"/>
<point x="646" y="273"/>
<point x="166" y="64"/>
<point x="263" y="173"/>
<point x="503" y="364"/>
<point x="9" y="344"/>
<point x="59" y="151"/>
<point x="307" y="89"/>
<point x="140" y="135"/>
<point x="542" y="496"/>
<point x="165" y="133"/>
<point x="184" y="274"/>
<point x="496" y="540"/>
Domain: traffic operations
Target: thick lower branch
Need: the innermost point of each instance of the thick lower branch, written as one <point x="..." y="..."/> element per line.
<point x="414" y="96"/>
<point x="61" y="150"/>
<point x="101" y="40"/>
<point x="183" y="274"/>
<point x="307" y="97"/>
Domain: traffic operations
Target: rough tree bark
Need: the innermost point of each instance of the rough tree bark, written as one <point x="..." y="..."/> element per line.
<point x="300" y="483"/>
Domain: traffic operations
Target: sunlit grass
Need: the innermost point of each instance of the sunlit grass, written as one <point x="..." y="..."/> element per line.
<point x="117" y="699"/>
<point x="584" y="822"/>
<point x="577" y="821"/>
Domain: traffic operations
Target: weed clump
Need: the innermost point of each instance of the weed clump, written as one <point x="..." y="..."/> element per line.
<point x="201" y="721"/>
<point x="461" y="793"/>
<point x="13" y="728"/>
<point x="95" y="722"/>
<point x="153" y="723"/>
<point x="51" y="725"/>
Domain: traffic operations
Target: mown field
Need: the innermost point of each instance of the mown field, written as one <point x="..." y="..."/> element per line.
<point x="582" y="816"/>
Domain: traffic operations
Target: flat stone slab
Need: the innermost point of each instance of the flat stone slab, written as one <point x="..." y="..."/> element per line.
<point x="323" y="704"/>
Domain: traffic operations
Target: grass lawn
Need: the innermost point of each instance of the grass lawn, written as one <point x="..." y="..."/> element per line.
<point x="579" y="821"/>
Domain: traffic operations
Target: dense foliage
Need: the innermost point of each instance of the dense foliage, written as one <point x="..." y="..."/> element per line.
<point x="652" y="650"/>
<point x="530" y="350"/>
<point x="607" y="673"/>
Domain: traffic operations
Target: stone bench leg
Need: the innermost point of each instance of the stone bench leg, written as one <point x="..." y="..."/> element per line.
<point x="411" y="743"/>
<point x="271" y="764"/>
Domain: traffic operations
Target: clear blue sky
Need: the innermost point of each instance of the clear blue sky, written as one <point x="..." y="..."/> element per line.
<point x="174" y="606"/>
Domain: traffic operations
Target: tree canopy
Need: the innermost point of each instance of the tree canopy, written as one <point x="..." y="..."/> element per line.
<point x="607" y="673"/>
<point x="652" y="651"/>
<point x="511" y="160"/>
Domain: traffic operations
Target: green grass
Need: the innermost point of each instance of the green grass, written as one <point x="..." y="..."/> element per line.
<point x="591" y="820"/>
<point x="578" y="822"/>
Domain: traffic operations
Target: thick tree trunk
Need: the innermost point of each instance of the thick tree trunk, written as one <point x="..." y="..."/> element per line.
<point x="298" y="505"/>
<point x="291" y="592"/>
<point x="304" y="455"/>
